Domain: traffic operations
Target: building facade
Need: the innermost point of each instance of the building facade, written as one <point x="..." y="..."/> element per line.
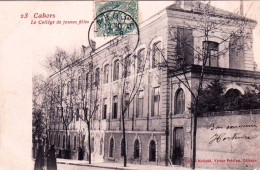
<point x="158" y="119"/>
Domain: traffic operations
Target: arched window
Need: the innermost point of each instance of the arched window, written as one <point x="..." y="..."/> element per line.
<point x="111" y="148"/>
<point x="152" y="151"/>
<point x="122" y="147"/>
<point x="101" y="146"/>
<point x="75" y="142"/>
<point x="179" y="102"/>
<point x="116" y="70"/>
<point x="156" y="54"/>
<point x="140" y="60"/>
<point x="136" y="149"/>
<point x="106" y="73"/>
<point x="232" y="98"/>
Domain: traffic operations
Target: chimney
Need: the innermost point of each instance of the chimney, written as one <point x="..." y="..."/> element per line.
<point x="241" y="8"/>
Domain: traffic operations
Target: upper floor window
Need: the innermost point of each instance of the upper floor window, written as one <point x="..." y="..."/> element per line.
<point x="140" y="60"/>
<point x="79" y="82"/>
<point x="77" y="116"/>
<point x="106" y="73"/>
<point x="85" y="113"/>
<point x="63" y="89"/>
<point x="87" y="81"/>
<point x="59" y="90"/>
<point x="126" y="104"/>
<point x="210" y="49"/>
<point x="68" y="88"/>
<point x="97" y="77"/>
<point x="116" y="70"/>
<point x="156" y="55"/>
<point x="140" y="103"/>
<point x="72" y="87"/>
<point x="185" y="46"/>
<point x="104" y="109"/>
<point x="115" y="107"/>
<point x="156" y="101"/>
<point x="179" y="102"/>
<point x="127" y="64"/>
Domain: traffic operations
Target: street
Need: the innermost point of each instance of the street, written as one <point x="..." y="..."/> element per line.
<point x="76" y="167"/>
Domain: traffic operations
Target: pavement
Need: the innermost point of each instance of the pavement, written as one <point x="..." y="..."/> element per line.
<point x="116" y="165"/>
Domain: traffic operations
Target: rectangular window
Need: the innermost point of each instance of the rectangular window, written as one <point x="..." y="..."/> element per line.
<point x="87" y="82"/>
<point x="79" y="82"/>
<point x="86" y="114"/>
<point x="140" y="102"/>
<point x="236" y="52"/>
<point x="185" y="43"/>
<point x="68" y="88"/>
<point x="156" y="102"/>
<point x="106" y="73"/>
<point x="77" y="116"/>
<point x="104" y="109"/>
<point x="126" y="105"/>
<point x="156" y="54"/>
<point x="116" y="70"/>
<point x="97" y="77"/>
<point x="140" y="61"/>
<point x="115" y="107"/>
<point x="210" y="49"/>
<point x="127" y="65"/>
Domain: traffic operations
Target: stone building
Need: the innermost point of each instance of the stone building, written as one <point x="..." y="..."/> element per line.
<point x="158" y="120"/>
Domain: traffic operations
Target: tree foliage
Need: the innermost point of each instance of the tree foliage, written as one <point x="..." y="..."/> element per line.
<point x="214" y="99"/>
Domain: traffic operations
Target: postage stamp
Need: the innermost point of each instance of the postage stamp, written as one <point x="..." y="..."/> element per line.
<point x="116" y="17"/>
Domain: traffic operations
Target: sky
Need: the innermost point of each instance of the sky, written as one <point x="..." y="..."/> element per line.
<point x="25" y="46"/>
<point x="36" y="42"/>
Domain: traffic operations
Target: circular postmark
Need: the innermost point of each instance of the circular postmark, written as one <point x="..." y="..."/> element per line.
<point x="115" y="24"/>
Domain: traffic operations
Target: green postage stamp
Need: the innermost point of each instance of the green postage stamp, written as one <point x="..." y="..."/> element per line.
<point x="115" y="18"/>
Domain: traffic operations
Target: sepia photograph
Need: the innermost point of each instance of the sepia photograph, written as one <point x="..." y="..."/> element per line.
<point x="128" y="84"/>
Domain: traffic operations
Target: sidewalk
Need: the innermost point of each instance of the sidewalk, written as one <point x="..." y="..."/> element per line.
<point x="116" y="165"/>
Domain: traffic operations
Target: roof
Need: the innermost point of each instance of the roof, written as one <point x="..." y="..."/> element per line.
<point x="199" y="7"/>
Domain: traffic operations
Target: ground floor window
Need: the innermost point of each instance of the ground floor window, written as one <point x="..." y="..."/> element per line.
<point x="111" y="148"/>
<point x="152" y="151"/>
<point x="136" y="149"/>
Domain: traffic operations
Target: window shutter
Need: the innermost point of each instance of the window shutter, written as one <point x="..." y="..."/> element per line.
<point x="185" y="42"/>
<point x="236" y="52"/>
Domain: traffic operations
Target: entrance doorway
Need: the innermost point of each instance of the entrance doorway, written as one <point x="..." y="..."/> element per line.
<point x="178" y="146"/>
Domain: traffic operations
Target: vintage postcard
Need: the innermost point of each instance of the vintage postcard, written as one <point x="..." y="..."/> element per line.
<point x="128" y="84"/>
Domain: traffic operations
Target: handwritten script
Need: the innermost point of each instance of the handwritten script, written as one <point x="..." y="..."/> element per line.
<point x="220" y="137"/>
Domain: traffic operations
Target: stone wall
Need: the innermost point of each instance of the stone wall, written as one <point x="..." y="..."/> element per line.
<point x="229" y="140"/>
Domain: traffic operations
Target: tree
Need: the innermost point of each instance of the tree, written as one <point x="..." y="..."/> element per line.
<point x="87" y="94"/>
<point x="61" y="65"/>
<point x="214" y="99"/>
<point x="39" y="112"/>
<point x="207" y="25"/>
<point x="131" y="80"/>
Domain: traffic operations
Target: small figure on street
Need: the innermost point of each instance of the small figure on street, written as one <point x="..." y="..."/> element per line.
<point x="81" y="154"/>
<point x="39" y="161"/>
<point x="51" y="159"/>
